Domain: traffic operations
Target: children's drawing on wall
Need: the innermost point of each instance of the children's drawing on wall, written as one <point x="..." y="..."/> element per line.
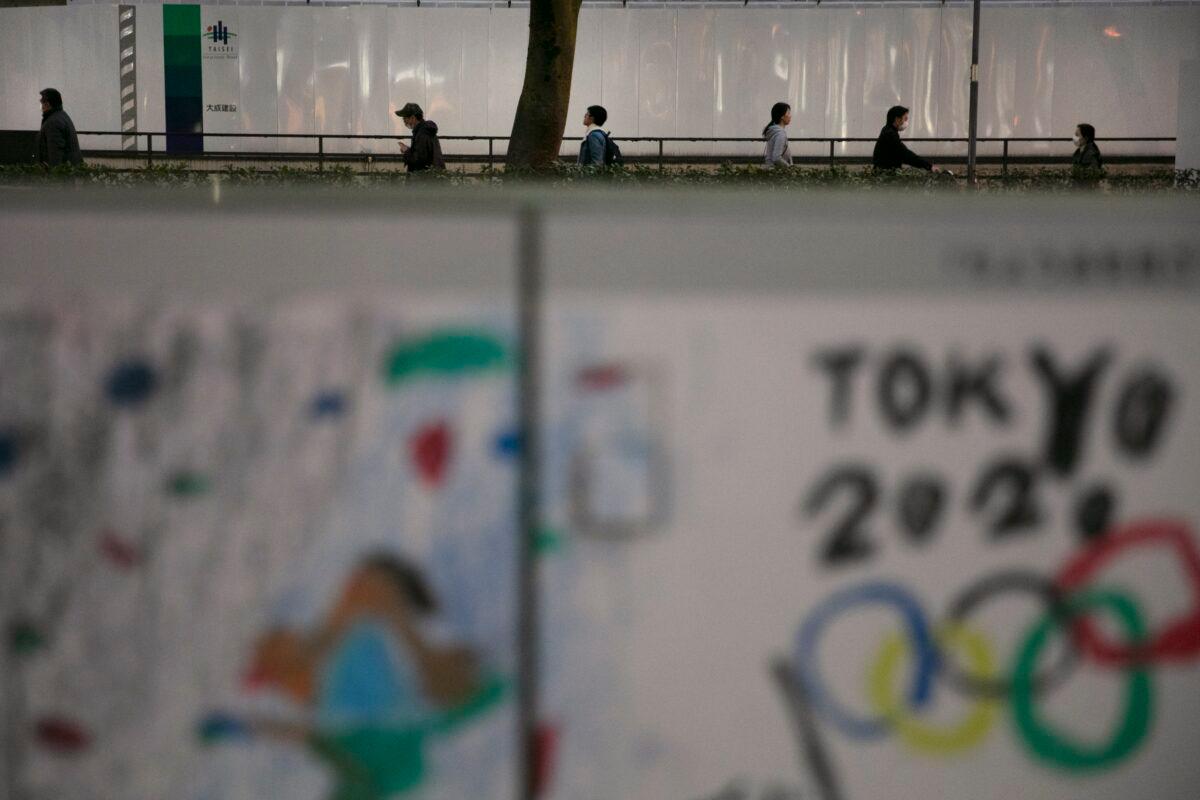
<point x="267" y="552"/>
<point x="373" y="687"/>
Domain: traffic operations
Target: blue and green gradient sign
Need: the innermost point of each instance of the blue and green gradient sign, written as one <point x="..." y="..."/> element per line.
<point x="182" y="79"/>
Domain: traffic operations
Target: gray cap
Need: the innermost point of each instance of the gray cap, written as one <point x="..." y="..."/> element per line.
<point x="410" y="110"/>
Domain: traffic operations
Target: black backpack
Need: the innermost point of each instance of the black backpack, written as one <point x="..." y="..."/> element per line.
<point x="612" y="153"/>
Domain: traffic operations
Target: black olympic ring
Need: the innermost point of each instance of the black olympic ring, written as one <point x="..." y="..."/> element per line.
<point x="1015" y="580"/>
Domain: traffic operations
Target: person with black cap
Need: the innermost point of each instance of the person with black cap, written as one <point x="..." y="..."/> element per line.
<point x="57" y="142"/>
<point x="426" y="151"/>
<point x="890" y="152"/>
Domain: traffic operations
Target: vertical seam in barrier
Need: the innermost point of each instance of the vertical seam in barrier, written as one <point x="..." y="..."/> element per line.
<point x="529" y="296"/>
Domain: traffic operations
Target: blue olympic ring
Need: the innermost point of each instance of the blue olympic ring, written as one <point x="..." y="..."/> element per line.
<point x="807" y="670"/>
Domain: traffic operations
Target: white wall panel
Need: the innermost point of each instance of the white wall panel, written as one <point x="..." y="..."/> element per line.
<point x="953" y="92"/>
<point x="150" y="78"/>
<point x="19" y="109"/>
<point x="295" y="77"/>
<point x="586" y="73"/>
<point x="658" y="69"/>
<point x="619" y="70"/>
<point x="373" y="96"/>
<point x="696" y="78"/>
<point x="1118" y="68"/>
<point x="1016" y="71"/>
<point x="728" y="53"/>
<point x="259" y="109"/>
<point x="847" y="76"/>
<point x="336" y="75"/>
<point x="443" y="51"/>
<point x="507" y="42"/>
<point x="47" y="32"/>
<point x="1187" y="156"/>
<point x="764" y="71"/>
<point x="808" y="79"/>
<point x="100" y="67"/>
<point x="476" y="81"/>
<point x="406" y="63"/>
<point x="901" y="66"/>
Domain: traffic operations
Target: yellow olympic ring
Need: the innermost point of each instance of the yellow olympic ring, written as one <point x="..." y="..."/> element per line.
<point x="920" y="736"/>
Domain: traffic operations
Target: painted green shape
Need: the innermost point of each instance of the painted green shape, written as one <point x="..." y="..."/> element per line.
<point x="188" y="484"/>
<point x="1060" y="749"/>
<point x="25" y="638"/>
<point x="376" y="762"/>
<point x="548" y="541"/>
<point x="490" y="693"/>
<point x="447" y="352"/>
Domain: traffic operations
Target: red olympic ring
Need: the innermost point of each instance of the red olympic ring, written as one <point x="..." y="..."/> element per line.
<point x="1176" y="641"/>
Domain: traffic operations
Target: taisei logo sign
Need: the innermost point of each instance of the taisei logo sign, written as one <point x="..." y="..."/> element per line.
<point x="219" y="41"/>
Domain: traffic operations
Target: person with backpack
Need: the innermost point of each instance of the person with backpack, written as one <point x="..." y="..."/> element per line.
<point x="776" y="153"/>
<point x="425" y="152"/>
<point x="593" y="148"/>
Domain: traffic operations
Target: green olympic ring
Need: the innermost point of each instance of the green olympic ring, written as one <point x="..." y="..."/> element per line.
<point x="1055" y="748"/>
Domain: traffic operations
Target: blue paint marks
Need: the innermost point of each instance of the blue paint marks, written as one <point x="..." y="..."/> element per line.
<point x="507" y="444"/>
<point x="131" y="383"/>
<point x="328" y="404"/>
<point x="219" y="727"/>
<point x="9" y="452"/>
<point x="367" y="681"/>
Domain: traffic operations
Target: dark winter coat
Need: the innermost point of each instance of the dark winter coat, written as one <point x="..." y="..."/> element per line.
<point x="1087" y="157"/>
<point x="425" y="152"/>
<point x="891" y="153"/>
<point x="57" y="142"/>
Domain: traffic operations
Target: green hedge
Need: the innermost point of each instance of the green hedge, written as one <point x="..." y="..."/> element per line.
<point x="1041" y="180"/>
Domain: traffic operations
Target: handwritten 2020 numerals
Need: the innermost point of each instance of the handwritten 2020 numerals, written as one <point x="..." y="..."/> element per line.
<point x="1005" y="493"/>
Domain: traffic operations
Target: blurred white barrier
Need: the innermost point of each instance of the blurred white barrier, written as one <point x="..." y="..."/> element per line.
<point x="857" y="497"/>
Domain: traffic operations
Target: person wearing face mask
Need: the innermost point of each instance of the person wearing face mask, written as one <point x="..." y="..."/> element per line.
<point x="890" y="152"/>
<point x="1087" y="155"/>
<point x="426" y="151"/>
<point x="776" y="153"/>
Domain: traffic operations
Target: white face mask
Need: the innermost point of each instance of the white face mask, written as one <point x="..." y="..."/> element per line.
<point x="904" y="126"/>
<point x="1078" y="141"/>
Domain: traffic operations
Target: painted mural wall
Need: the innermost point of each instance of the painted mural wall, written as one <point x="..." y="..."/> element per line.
<point x="660" y="72"/>
<point x="811" y="527"/>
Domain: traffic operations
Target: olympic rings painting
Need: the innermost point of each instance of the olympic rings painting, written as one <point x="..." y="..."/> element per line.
<point x="953" y="653"/>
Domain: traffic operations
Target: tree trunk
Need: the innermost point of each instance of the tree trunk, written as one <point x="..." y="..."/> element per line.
<point x="542" y="111"/>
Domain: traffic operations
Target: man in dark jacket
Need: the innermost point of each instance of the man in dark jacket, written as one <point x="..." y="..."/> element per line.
<point x="426" y="151"/>
<point x="1087" y="154"/>
<point x="890" y="152"/>
<point x="57" y="142"/>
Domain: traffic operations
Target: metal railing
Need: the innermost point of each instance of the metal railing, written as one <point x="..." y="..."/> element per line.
<point x="662" y="158"/>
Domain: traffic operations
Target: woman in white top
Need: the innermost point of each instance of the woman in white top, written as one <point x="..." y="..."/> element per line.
<point x="776" y="152"/>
